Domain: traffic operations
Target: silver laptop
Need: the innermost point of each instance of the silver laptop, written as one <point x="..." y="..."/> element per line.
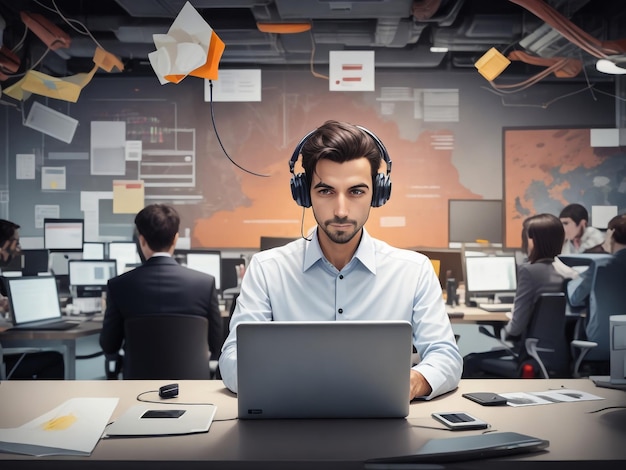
<point x="34" y="303"/>
<point x="323" y="369"/>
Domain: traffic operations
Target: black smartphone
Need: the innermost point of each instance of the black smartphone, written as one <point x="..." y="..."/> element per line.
<point x="486" y="398"/>
<point x="163" y="414"/>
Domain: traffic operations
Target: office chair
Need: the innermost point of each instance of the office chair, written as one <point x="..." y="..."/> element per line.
<point x="166" y="346"/>
<point x="544" y="350"/>
<point x="607" y="297"/>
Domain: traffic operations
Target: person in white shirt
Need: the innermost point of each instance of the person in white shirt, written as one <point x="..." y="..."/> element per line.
<point x="341" y="273"/>
<point x="579" y="236"/>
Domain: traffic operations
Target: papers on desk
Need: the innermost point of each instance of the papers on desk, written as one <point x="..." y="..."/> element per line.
<point x="73" y="428"/>
<point x="547" y="398"/>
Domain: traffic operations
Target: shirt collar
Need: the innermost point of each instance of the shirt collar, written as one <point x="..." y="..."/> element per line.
<point x="365" y="252"/>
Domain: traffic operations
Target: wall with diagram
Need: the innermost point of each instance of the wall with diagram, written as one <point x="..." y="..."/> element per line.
<point x="443" y="133"/>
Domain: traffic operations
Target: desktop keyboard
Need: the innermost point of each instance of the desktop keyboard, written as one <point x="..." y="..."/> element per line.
<point x="496" y="307"/>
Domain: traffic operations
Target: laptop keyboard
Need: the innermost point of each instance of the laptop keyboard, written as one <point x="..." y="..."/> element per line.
<point x="60" y="325"/>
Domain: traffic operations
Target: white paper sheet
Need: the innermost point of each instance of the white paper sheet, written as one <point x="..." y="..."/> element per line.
<point x="73" y="428"/>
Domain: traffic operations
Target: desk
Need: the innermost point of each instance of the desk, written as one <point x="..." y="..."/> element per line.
<point x="64" y="341"/>
<point x="576" y="435"/>
<point x="475" y="315"/>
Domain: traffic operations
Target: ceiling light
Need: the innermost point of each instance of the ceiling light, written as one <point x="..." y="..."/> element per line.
<point x="606" y="66"/>
<point x="435" y="49"/>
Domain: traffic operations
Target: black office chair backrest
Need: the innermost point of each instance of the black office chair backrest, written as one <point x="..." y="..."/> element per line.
<point x="547" y="325"/>
<point x="166" y="346"/>
<point x="608" y="297"/>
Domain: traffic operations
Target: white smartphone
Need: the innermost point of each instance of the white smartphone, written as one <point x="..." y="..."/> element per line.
<point x="459" y="420"/>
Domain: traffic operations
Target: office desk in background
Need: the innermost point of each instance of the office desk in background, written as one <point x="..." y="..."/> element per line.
<point x="64" y="341"/>
<point x="579" y="434"/>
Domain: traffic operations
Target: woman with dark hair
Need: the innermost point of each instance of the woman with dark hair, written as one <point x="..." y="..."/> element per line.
<point x="542" y="239"/>
<point x="544" y="236"/>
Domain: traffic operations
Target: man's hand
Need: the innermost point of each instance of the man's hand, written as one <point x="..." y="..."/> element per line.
<point x="419" y="386"/>
<point x="4" y="304"/>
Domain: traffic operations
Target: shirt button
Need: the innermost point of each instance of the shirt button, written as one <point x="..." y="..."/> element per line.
<point x="341" y="276"/>
<point x="340" y="310"/>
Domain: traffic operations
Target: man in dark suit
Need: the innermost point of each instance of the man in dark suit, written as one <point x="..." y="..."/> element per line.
<point x="160" y="284"/>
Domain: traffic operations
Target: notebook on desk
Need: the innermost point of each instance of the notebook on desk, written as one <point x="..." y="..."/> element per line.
<point x="323" y="369"/>
<point x="34" y="302"/>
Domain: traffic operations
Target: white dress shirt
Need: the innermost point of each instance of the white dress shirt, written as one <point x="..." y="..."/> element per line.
<point x="296" y="282"/>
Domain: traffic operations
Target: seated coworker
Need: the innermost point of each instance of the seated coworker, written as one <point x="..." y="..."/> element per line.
<point x="160" y="285"/>
<point x="543" y="234"/>
<point x="579" y="290"/>
<point x="579" y="236"/>
<point x="36" y="365"/>
<point x="341" y="273"/>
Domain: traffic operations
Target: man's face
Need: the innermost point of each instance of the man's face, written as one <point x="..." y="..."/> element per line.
<point x="572" y="230"/>
<point x="10" y="248"/>
<point x="341" y="196"/>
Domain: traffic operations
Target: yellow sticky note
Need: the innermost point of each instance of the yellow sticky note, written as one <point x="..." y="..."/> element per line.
<point x="128" y="196"/>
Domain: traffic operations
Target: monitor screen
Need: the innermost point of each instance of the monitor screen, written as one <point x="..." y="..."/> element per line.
<point x="93" y="250"/>
<point x="126" y="255"/>
<point x="209" y="262"/>
<point x="486" y="275"/>
<point x="34" y="262"/>
<point x="471" y="221"/>
<point x="91" y="272"/>
<point x="63" y="234"/>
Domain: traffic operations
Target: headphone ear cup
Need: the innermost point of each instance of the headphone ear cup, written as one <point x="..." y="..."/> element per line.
<point x="300" y="190"/>
<point x="382" y="190"/>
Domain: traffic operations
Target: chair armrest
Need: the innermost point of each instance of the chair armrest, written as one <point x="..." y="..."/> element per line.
<point x="533" y="351"/>
<point x="584" y="347"/>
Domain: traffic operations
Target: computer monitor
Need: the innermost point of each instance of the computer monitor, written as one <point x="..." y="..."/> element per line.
<point x="450" y="264"/>
<point x="273" y="242"/>
<point x="63" y="234"/>
<point x="34" y="261"/>
<point x="486" y="276"/>
<point x="93" y="250"/>
<point x="91" y="272"/>
<point x="475" y="220"/>
<point x="206" y="261"/>
<point x="125" y="253"/>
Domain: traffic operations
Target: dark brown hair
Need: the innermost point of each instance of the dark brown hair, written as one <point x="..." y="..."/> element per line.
<point x="158" y="224"/>
<point x="547" y="234"/>
<point x="7" y="230"/>
<point x="618" y="225"/>
<point x="339" y="142"/>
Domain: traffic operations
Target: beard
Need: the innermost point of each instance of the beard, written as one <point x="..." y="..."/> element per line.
<point x="340" y="236"/>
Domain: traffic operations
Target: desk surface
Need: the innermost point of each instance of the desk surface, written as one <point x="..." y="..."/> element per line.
<point x="577" y="432"/>
<point x="474" y="315"/>
<point x="85" y="327"/>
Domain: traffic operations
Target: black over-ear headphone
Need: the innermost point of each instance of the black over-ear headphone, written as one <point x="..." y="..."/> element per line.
<point x="382" y="182"/>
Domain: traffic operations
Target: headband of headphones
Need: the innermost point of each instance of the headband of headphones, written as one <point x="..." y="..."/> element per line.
<point x="382" y="182"/>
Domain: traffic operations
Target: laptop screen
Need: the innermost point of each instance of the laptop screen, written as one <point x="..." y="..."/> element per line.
<point x="26" y="307"/>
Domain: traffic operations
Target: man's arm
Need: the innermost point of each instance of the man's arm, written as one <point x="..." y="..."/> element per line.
<point x="441" y="364"/>
<point x="578" y="290"/>
<point x="112" y="333"/>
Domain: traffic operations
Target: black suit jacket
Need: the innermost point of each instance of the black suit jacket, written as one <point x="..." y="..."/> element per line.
<point x="160" y="285"/>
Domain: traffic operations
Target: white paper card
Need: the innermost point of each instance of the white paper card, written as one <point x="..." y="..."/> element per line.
<point x="73" y="428"/>
<point x="351" y="71"/>
<point x="25" y="166"/>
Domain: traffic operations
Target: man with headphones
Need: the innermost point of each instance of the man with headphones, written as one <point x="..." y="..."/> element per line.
<point x="340" y="272"/>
